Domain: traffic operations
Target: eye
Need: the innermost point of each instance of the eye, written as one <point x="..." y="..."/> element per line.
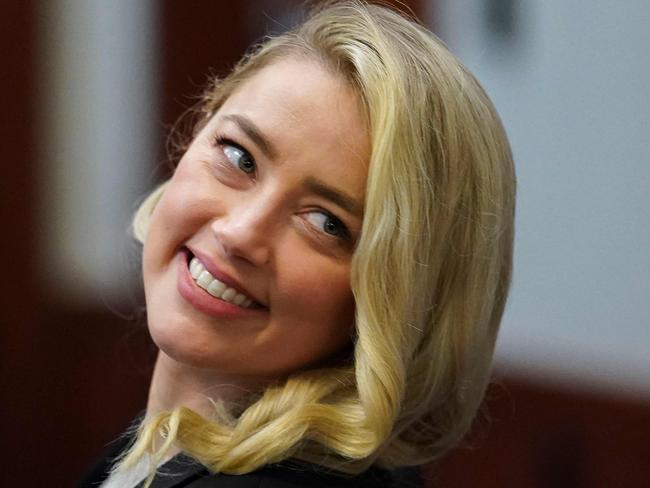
<point x="238" y="156"/>
<point x="328" y="224"/>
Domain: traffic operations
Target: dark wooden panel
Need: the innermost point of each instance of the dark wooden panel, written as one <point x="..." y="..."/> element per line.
<point x="18" y="301"/>
<point x="542" y="437"/>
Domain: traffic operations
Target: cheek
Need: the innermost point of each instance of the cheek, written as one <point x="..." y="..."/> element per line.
<point x="320" y="296"/>
<point x="170" y="224"/>
<point x="178" y="215"/>
<point x="333" y="298"/>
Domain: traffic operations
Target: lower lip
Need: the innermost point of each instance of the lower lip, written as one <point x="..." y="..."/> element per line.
<point x="203" y="301"/>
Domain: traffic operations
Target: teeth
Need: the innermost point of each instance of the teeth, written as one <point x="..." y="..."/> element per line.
<point x="196" y="268"/>
<point x="228" y="295"/>
<point x="215" y="287"/>
<point x="204" y="279"/>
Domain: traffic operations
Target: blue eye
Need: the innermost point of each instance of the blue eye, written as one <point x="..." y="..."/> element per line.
<point x="328" y="224"/>
<point x="238" y="157"/>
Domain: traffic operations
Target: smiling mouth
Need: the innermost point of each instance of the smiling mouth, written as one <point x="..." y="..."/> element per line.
<point x="216" y="288"/>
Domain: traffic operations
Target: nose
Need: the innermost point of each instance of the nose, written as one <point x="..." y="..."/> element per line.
<point x="245" y="232"/>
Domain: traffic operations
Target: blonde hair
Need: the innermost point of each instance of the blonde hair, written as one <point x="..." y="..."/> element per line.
<point x="430" y="273"/>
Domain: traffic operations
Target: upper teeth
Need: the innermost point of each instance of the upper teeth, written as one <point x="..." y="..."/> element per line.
<point x="215" y="287"/>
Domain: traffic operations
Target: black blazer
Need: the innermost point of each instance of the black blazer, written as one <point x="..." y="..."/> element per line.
<point x="182" y="471"/>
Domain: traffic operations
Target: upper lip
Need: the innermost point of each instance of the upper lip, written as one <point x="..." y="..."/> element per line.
<point x="226" y="279"/>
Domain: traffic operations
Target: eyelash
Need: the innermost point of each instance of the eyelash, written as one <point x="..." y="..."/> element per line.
<point x="222" y="141"/>
<point x="344" y="237"/>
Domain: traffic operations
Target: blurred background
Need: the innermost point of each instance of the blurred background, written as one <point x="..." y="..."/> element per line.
<point x="91" y="88"/>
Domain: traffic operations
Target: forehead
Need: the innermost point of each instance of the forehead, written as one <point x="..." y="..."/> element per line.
<point x="305" y="109"/>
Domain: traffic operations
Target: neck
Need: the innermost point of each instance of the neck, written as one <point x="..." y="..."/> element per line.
<point x="175" y="384"/>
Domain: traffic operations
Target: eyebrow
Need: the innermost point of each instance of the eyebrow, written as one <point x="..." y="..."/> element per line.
<point x="338" y="197"/>
<point x="254" y="133"/>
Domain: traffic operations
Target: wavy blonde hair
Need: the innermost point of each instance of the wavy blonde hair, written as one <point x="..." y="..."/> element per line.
<point x="430" y="274"/>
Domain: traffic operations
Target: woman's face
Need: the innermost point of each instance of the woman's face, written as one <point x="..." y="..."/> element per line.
<point x="265" y="207"/>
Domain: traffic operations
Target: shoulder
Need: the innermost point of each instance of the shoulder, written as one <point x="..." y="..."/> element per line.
<point x="283" y="476"/>
<point x="288" y="475"/>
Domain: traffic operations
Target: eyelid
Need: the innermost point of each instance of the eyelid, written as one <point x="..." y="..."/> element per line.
<point x="220" y="140"/>
<point x="346" y="235"/>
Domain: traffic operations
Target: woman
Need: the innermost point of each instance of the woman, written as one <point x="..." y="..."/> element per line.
<point x="326" y="270"/>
